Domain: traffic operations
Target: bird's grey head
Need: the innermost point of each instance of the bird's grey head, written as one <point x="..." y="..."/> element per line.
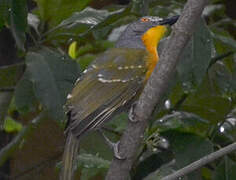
<point x="131" y="37"/>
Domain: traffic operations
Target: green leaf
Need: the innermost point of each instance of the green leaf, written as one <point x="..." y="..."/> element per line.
<point x="9" y="75"/>
<point x="92" y="161"/>
<point x="224" y="133"/>
<point x="65" y="70"/>
<point x="205" y="101"/>
<point x="226" y="40"/>
<point x="44" y="82"/>
<point x="223" y="79"/>
<point x="88" y="16"/>
<point x="88" y="145"/>
<point x="85" y="60"/>
<point x="18" y="21"/>
<point x="52" y="76"/>
<point x="82" y="22"/>
<point x="224" y="43"/>
<point x="165" y="8"/>
<point x="140" y="7"/>
<point x="25" y="99"/>
<point x="10" y="125"/>
<point x="4" y="13"/>
<point x="54" y="11"/>
<point x="92" y="165"/>
<point x="72" y="50"/>
<point x="5" y="99"/>
<point x="184" y="121"/>
<point x="187" y="147"/>
<point x="151" y="164"/>
<point x="119" y="122"/>
<point x="225" y="170"/>
<point x="83" y="53"/>
<point x="195" y="58"/>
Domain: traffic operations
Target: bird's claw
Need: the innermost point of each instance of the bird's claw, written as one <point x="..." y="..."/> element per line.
<point x="131" y="114"/>
<point x="116" y="151"/>
<point x="113" y="146"/>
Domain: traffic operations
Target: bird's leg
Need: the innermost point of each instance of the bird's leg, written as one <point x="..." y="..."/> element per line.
<point x="112" y="145"/>
<point x="110" y="130"/>
<point x="131" y="114"/>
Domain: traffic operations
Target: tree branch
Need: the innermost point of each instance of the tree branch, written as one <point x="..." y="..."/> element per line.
<point x="155" y="88"/>
<point x="201" y="162"/>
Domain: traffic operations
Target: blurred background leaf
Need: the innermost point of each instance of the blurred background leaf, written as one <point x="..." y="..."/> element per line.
<point x="10" y="125"/>
<point x="195" y="58"/>
<point x="18" y="21"/>
<point x="52" y="76"/>
<point x="61" y="38"/>
<point x="54" y="11"/>
<point x="225" y="169"/>
<point x="4" y="12"/>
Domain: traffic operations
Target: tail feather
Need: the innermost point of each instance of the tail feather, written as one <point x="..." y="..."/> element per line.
<point x="69" y="157"/>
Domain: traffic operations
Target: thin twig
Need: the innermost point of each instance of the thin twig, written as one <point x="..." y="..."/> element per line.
<point x="179" y="102"/>
<point x="201" y="162"/>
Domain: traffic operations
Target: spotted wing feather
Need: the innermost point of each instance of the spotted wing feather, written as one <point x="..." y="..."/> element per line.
<point x="110" y="82"/>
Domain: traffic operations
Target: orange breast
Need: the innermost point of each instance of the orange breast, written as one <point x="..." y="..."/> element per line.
<point x="151" y="39"/>
<point x="151" y="63"/>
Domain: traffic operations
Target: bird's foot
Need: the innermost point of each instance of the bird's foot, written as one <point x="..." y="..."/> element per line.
<point x="113" y="146"/>
<point x="131" y="114"/>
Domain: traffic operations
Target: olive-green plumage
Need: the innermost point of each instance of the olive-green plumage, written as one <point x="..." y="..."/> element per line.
<point x="107" y="85"/>
<point x="111" y="83"/>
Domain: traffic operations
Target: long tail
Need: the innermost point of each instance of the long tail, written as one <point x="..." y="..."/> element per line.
<point x="69" y="157"/>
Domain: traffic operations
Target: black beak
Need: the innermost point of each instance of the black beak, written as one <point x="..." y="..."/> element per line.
<point x="169" y="21"/>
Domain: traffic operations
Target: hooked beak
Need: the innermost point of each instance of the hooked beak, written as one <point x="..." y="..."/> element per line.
<point x="169" y="21"/>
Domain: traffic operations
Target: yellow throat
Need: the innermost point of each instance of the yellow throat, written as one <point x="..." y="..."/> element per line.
<point x="151" y="39"/>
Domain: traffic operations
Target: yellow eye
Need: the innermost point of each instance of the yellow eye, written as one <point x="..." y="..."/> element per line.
<point x="144" y="19"/>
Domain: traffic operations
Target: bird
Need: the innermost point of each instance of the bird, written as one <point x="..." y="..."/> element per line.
<point x="112" y="83"/>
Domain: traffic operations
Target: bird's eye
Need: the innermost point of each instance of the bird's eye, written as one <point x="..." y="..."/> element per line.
<point x="144" y="19"/>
